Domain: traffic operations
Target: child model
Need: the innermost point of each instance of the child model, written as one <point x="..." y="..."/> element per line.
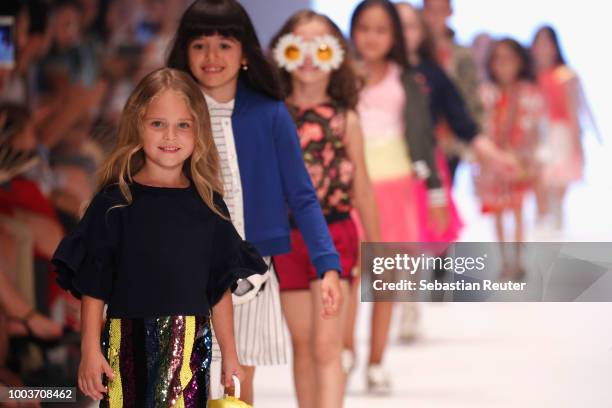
<point x="263" y="169"/>
<point x="561" y="152"/>
<point x="156" y="246"/>
<point x="392" y="110"/>
<point x="322" y="88"/>
<point x="513" y="113"/>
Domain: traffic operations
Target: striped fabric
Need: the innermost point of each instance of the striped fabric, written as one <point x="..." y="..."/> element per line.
<point x="258" y="325"/>
<point x="221" y="124"/>
<point x="158" y="362"/>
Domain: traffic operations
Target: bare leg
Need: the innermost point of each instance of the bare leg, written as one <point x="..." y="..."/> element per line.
<point x="381" y="323"/>
<point x="327" y="349"/>
<point x="503" y="246"/>
<point x="519" y="233"/>
<point x="351" y="319"/>
<point x="298" y="314"/>
<point x="542" y="197"/>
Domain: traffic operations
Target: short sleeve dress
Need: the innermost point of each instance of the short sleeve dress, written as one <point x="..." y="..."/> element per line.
<point x="160" y="263"/>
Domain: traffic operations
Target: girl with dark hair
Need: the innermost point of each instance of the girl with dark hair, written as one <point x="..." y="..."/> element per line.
<point x="513" y="114"/>
<point x="323" y="89"/>
<point x="561" y="152"/>
<point x="398" y="144"/>
<point x="262" y="169"/>
<point x="445" y="103"/>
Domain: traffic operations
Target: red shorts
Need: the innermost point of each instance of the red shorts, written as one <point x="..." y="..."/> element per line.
<point x="295" y="271"/>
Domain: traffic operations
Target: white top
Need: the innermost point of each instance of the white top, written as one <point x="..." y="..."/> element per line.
<point x="221" y="123"/>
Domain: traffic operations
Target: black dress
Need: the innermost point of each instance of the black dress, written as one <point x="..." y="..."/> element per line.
<point x="160" y="263"/>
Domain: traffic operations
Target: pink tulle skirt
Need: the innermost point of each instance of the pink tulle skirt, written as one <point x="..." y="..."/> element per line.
<point x="427" y="232"/>
<point x="397" y="210"/>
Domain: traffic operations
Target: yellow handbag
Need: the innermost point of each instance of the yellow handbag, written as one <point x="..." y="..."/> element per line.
<point x="228" y="401"/>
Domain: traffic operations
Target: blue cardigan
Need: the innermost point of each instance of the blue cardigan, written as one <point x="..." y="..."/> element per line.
<point x="274" y="179"/>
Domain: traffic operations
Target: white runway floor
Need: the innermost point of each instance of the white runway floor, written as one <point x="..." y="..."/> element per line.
<point x="495" y="354"/>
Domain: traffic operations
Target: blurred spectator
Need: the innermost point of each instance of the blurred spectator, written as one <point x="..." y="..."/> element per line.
<point x="481" y="46"/>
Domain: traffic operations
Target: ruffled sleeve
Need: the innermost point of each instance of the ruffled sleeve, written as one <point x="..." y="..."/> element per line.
<point x="233" y="258"/>
<point x="84" y="260"/>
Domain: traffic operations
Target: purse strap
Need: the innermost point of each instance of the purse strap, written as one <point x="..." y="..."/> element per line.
<point x="236" y="386"/>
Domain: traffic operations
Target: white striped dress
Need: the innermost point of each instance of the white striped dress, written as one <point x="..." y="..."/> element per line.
<point x="258" y="325"/>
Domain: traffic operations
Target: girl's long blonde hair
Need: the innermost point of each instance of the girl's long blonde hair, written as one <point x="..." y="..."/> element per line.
<point x="127" y="158"/>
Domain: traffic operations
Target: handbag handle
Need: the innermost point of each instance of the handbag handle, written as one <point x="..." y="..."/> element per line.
<point x="236" y="386"/>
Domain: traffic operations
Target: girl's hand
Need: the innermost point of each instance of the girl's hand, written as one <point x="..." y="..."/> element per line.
<point x="231" y="367"/>
<point x="93" y="365"/>
<point x="331" y="295"/>
<point x="438" y="217"/>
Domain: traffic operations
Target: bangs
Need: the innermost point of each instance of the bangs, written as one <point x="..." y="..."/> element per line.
<point x="206" y="20"/>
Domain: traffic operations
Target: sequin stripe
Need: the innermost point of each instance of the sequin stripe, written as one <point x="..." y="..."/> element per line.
<point x="126" y="356"/>
<point x="105" y="347"/>
<point x="140" y="361"/>
<point x="190" y="394"/>
<point x="152" y="353"/>
<point x="196" y="392"/>
<point x="185" y="373"/>
<point x="162" y="388"/>
<point x="177" y="340"/>
<point x="115" y="391"/>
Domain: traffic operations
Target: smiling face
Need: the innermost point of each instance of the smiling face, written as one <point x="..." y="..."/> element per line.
<point x="215" y="62"/>
<point x="168" y="135"/>
<point x="373" y="34"/>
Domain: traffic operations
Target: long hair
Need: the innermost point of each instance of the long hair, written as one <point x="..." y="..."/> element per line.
<point x="547" y="29"/>
<point x="526" y="70"/>
<point x="427" y="48"/>
<point x="397" y="53"/>
<point x="228" y="19"/>
<point x="344" y="84"/>
<point x="128" y="157"/>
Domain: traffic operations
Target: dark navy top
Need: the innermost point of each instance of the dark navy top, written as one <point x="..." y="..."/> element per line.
<point x="167" y="253"/>
<point x="445" y="101"/>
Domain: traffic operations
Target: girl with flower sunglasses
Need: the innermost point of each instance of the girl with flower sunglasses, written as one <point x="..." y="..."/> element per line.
<point x="322" y="90"/>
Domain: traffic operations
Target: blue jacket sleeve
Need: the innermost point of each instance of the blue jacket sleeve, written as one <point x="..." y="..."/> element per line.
<point x="300" y="194"/>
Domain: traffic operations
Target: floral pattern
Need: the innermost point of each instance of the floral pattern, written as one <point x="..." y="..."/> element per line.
<point x="321" y="130"/>
<point x="513" y="122"/>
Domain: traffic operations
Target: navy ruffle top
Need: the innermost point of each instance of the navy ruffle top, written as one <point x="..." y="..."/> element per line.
<point x="164" y="254"/>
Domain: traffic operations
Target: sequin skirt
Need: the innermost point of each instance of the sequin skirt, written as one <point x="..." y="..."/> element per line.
<point x="158" y="362"/>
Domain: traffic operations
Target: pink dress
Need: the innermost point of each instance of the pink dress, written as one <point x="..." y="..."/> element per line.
<point x="381" y="108"/>
<point x="560" y="152"/>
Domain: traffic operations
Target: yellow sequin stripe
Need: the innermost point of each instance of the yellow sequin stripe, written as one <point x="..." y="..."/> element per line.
<point x="186" y="373"/>
<point x="115" y="391"/>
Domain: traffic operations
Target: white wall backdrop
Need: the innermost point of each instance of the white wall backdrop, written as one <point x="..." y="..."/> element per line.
<point x="583" y="28"/>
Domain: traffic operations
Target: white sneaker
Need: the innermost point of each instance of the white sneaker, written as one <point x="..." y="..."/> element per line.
<point x="348" y="361"/>
<point x="378" y="380"/>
